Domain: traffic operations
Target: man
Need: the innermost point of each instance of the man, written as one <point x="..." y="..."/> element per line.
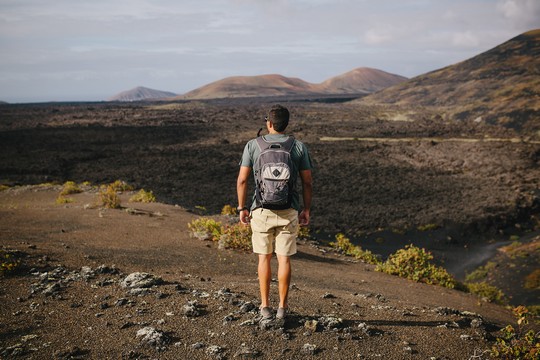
<point x="275" y="225"/>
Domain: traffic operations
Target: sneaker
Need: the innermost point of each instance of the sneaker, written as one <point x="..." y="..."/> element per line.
<point x="281" y="313"/>
<point x="266" y="312"/>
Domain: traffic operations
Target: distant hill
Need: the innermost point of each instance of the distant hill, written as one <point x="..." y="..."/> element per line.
<point x="251" y="86"/>
<point x="358" y="81"/>
<point x="141" y="93"/>
<point x="500" y="86"/>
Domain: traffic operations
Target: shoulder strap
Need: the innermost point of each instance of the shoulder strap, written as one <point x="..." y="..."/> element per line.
<point x="289" y="143"/>
<point x="262" y="144"/>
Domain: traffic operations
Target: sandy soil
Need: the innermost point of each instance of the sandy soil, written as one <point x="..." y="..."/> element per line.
<point x="67" y="301"/>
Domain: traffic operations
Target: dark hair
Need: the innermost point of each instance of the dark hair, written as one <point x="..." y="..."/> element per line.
<point x="279" y="116"/>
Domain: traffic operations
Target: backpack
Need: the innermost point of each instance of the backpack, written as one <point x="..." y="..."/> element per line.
<point x="275" y="176"/>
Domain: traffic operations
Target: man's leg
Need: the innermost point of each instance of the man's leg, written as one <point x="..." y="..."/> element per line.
<point x="265" y="276"/>
<point x="284" y="278"/>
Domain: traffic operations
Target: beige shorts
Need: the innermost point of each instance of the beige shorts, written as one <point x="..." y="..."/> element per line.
<point x="279" y="226"/>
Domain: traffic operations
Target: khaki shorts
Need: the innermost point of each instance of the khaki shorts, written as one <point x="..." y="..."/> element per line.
<point x="279" y="226"/>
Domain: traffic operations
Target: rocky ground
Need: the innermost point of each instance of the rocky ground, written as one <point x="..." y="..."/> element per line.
<point x="383" y="174"/>
<point x="133" y="284"/>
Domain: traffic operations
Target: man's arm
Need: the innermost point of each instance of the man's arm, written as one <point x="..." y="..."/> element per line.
<point x="307" y="191"/>
<point x="241" y="191"/>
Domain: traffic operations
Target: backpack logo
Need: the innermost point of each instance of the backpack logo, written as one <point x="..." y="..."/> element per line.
<point x="273" y="171"/>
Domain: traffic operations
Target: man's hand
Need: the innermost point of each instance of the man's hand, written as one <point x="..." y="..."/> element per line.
<point x="244" y="217"/>
<point x="303" y="218"/>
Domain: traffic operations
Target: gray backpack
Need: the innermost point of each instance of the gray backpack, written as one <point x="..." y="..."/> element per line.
<point x="275" y="176"/>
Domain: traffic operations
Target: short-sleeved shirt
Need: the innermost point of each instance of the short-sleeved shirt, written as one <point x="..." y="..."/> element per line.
<point x="299" y="156"/>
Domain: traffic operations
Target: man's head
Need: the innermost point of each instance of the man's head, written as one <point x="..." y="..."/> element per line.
<point x="279" y="117"/>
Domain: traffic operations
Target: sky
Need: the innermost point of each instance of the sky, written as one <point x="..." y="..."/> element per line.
<point x="68" y="50"/>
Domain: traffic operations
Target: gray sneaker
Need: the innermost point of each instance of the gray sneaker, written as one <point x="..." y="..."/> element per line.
<point x="281" y="313"/>
<point x="266" y="312"/>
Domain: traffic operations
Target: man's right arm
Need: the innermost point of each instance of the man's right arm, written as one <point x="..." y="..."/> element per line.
<point x="241" y="190"/>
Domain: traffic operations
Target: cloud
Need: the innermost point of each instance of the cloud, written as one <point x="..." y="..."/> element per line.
<point x="465" y="39"/>
<point x="521" y="12"/>
<point x="377" y="36"/>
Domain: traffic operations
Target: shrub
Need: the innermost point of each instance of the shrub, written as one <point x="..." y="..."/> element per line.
<point x="69" y="188"/>
<point x="236" y="236"/>
<point x="201" y="210"/>
<point x="108" y="197"/>
<point x="228" y="210"/>
<point x="303" y="233"/>
<point x="428" y="227"/>
<point x="121" y="186"/>
<point x="477" y="275"/>
<point x="143" y="196"/>
<point x="7" y="262"/>
<point x="481" y="272"/>
<point x="534" y="310"/>
<point x="3" y="187"/>
<point x="532" y="281"/>
<point x="205" y="229"/>
<point x="344" y="245"/>
<point x="517" y="344"/>
<point x="60" y="200"/>
<point x="486" y="291"/>
<point x="415" y="264"/>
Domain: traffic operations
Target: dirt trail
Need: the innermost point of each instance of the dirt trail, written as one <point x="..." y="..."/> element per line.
<point x="431" y="139"/>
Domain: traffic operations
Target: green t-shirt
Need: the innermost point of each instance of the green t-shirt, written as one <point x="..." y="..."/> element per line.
<point x="299" y="156"/>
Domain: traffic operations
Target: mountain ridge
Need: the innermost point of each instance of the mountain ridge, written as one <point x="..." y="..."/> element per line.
<point x="361" y="80"/>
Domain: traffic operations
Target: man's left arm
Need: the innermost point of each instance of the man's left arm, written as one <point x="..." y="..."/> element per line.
<point x="307" y="191"/>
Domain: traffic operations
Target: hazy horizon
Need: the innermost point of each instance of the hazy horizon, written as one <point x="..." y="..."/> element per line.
<point x="75" y="51"/>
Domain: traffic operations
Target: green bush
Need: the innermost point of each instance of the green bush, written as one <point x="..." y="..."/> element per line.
<point x="303" y="233"/>
<point x="205" y="229"/>
<point x="69" y="188"/>
<point x="517" y="344"/>
<point x="481" y="272"/>
<point x="228" y="210"/>
<point x="121" y="186"/>
<point x="60" y="200"/>
<point x="415" y="264"/>
<point x="237" y="236"/>
<point x="143" y="196"/>
<point x="7" y="262"/>
<point x="344" y="245"/>
<point x="108" y="197"/>
<point x="486" y="291"/>
<point x="532" y="281"/>
<point x="428" y="227"/>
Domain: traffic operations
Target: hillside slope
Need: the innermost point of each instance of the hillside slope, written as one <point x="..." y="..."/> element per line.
<point x="500" y="86"/>
<point x="141" y="93"/>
